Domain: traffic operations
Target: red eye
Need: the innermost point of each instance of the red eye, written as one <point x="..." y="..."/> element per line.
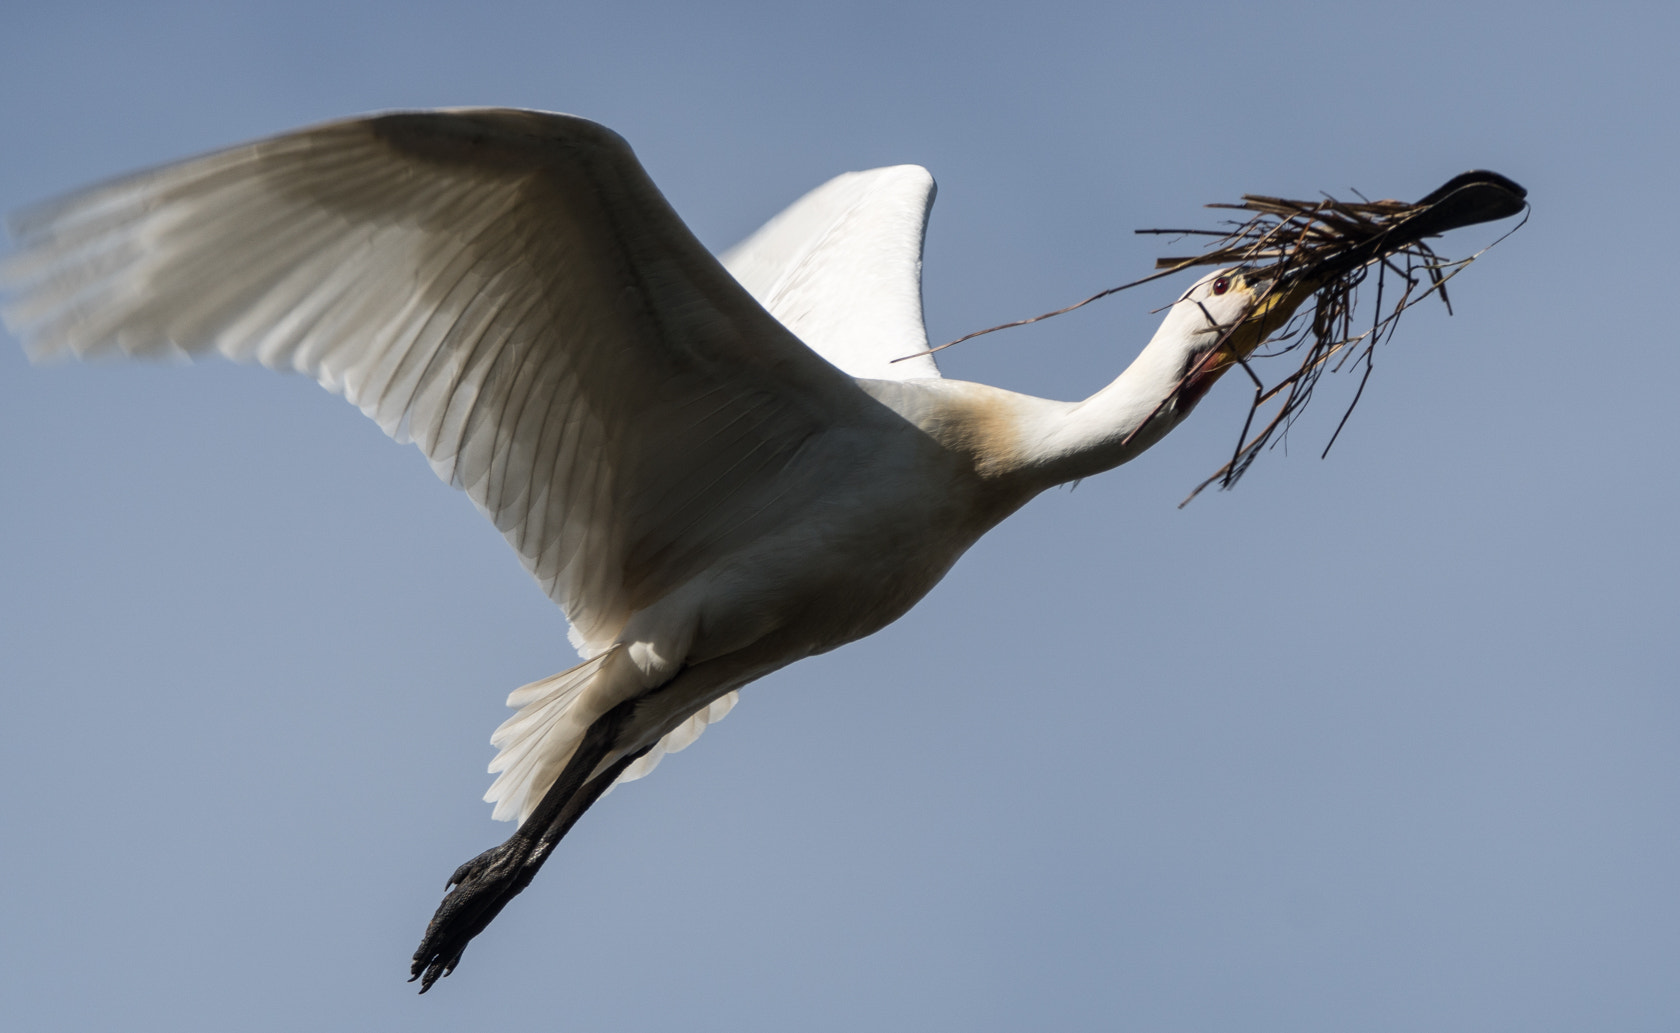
<point x="1221" y="285"/>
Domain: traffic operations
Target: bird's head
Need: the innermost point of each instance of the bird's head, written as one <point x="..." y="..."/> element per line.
<point x="1224" y="317"/>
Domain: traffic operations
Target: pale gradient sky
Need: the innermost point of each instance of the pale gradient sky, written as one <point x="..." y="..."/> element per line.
<point x="1389" y="742"/>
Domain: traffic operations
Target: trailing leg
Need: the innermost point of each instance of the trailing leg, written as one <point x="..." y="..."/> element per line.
<point x="480" y="888"/>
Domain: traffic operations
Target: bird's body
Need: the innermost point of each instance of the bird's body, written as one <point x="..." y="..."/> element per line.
<point x="714" y="476"/>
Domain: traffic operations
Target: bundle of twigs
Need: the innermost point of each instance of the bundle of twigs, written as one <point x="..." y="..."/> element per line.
<point x="1330" y="247"/>
<point x="1337" y="245"/>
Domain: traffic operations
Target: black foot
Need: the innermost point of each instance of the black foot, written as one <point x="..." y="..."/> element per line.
<point x="477" y="893"/>
<point x="480" y="888"/>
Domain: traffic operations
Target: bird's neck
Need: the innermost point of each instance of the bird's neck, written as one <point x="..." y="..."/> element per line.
<point x="1036" y="443"/>
<point x="1111" y="427"/>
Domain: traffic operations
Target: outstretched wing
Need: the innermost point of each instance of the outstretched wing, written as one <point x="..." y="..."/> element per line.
<point x="842" y="268"/>
<point x="506" y="288"/>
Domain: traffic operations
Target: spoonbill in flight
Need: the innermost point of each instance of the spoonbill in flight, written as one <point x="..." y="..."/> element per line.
<point x="713" y="466"/>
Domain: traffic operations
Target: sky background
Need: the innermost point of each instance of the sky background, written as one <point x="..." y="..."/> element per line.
<point x="1385" y="742"/>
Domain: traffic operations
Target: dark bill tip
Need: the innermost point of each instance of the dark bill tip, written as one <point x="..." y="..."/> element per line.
<point x="1465" y="200"/>
<point x="1475" y="178"/>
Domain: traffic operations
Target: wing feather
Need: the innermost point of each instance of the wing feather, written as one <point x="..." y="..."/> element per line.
<point x="507" y="289"/>
<point x="842" y="268"/>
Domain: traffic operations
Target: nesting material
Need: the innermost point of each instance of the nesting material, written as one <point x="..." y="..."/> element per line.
<point x="1334" y="249"/>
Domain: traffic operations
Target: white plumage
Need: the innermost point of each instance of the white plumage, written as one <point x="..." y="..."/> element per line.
<point x="842" y="269"/>
<point x="711" y="481"/>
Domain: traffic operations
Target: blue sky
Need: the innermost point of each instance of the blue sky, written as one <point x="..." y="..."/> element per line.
<point x="1384" y="742"/>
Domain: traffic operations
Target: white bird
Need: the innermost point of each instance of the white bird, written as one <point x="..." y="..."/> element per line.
<point x="713" y="475"/>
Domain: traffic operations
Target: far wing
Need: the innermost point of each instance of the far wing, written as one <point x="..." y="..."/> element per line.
<point x="508" y="289"/>
<point x="842" y="268"/>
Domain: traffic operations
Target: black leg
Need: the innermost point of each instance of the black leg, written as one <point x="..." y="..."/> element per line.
<point x="480" y="888"/>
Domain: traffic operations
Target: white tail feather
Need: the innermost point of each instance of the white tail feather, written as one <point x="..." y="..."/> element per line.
<point x="536" y="742"/>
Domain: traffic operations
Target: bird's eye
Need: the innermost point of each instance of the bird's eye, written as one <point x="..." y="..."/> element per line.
<point x="1221" y="285"/>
